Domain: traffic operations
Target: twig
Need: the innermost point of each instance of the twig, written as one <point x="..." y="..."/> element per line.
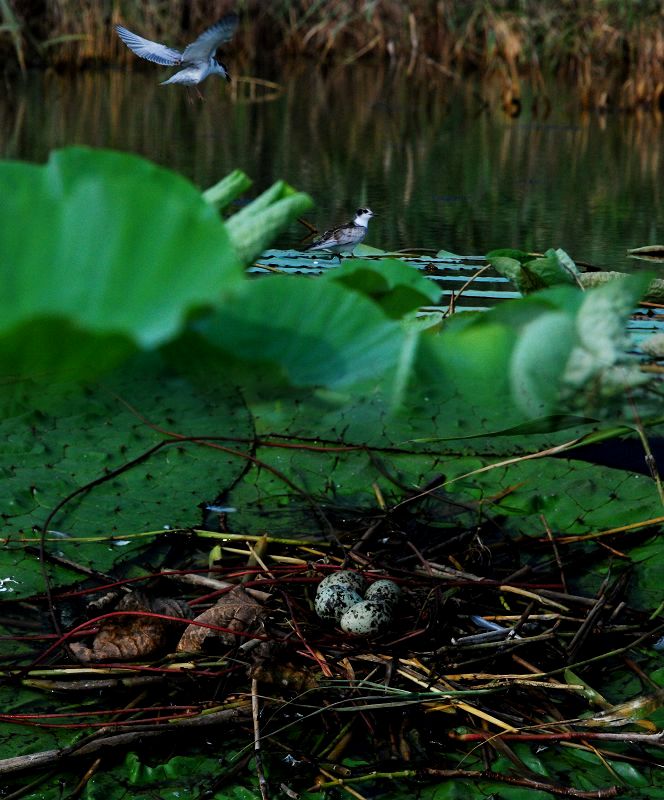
<point x="650" y="739"/>
<point x="554" y="547"/>
<point x="634" y="526"/>
<point x="582" y="633"/>
<point x="258" y="757"/>
<point x="213" y="583"/>
<point x="649" y="457"/>
<point x="483" y="775"/>
<point x="454" y="298"/>
<point x="47" y="758"/>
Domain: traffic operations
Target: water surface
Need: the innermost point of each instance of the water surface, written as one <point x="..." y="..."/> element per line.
<point x="440" y="168"/>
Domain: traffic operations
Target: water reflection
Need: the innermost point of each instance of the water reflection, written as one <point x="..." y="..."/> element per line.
<point x="440" y="168"/>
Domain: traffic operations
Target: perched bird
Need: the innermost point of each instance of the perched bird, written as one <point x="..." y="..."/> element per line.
<point x="345" y="238"/>
<point x="198" y="59"/>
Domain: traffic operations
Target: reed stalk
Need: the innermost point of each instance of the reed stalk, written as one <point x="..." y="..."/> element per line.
<point x="612" y="51"/>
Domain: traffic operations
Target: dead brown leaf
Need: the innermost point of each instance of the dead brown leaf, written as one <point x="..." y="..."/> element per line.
<point x="236" y="611"/>
<point x="123" y="638"/>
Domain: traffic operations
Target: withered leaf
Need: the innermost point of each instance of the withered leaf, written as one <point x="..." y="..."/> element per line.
<point x="286" y="676"/>
<point x="236" y="611"/>
<point x="122" y="638"/>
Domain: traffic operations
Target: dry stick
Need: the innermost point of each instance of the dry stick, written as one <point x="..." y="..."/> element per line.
<point x="649" y="457"/>
<point x="454" y="298"/>
<point x="29" y="789"/>
<point x="523" y="618"/>
<point x="617" y="652"/>
<point x="317" y="657"/>
<point x="337" y="782"/>
<point x="483" y="775"/>
<point x="650" y="739"/>
<point x="258" y="757"/>
<point x="556" y="553"/>
<point x="586" y="626"/>
<point x="553" y="710"/>
<point x="213" y="583"/>
<point x="636" y="669"/>
<point x="362" y="51"/>
<point x="414" y="44"/>
<point x="48" y="758"/>
<point x="634" y="526"/>
<point x="85" y="779"/>
<point x="440" y="570"/>
<point x="368" y="533"/>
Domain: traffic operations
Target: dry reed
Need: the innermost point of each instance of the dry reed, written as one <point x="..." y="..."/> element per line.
<point x="612" y="52"/>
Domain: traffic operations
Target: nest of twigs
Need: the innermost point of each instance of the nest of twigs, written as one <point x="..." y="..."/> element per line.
<point x="489" y="649"/>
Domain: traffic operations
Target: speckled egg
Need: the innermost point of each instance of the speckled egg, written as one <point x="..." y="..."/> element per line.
<point x="383" y="591"/>
<point x="333" y="599"/>
<point x="344" y="577"/>
<point x="366" y="618"/>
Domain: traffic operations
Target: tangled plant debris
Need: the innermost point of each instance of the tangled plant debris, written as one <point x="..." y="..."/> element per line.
<point x="493" y="653"/>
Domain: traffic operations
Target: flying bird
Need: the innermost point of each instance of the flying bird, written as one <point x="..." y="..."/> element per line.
<point x="198" y="58"/>
<point x="346" y="237"/>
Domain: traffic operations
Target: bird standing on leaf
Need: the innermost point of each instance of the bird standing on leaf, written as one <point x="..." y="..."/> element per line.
<point x="344" y="239"/>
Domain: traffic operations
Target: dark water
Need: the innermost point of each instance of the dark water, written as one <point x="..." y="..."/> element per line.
<point x="440" y="168"/>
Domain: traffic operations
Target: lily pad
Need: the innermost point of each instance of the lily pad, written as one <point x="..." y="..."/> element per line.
<point x="128" y="440"/>
<point x="397" y="288"/>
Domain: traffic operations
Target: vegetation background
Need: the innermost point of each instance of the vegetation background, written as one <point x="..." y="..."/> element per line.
<point x="613" y="50"/>
<point x="149" y="385"/>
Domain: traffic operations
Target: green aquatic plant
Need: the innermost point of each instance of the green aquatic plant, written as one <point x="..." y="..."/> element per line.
<point x="145" y="373"/>
<point x="115" y="253"/>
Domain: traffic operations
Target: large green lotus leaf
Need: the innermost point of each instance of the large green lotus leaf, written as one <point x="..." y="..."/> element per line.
<point x="598" y="369"/>
<point x="461" y="384"/>
<point x="177" y="777"/>
<point x="539" y="360"/>
<point x="316" y="332"/>
<point x="341" y="482"/>
<point x="562" y="351"/>
<point x="19" y="740"/>
<point x="646" y="570"/>
<point x="109" y="243"/>
<point x="28" y="350"/>
<point x="467" y="790"/>
<point x="530" y="273"/>
<point x="395" y="286"/>
<point x="554" y="267"/>
<point x="65" y="438"/>
<point x="575" y="497"/>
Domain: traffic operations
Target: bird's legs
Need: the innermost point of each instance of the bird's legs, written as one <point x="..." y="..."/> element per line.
<point x="190" y="96"/>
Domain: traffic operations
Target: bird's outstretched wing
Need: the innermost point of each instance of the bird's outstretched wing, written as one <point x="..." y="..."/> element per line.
<point x="152" y="51"/>
<point x="207" y="43"/>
